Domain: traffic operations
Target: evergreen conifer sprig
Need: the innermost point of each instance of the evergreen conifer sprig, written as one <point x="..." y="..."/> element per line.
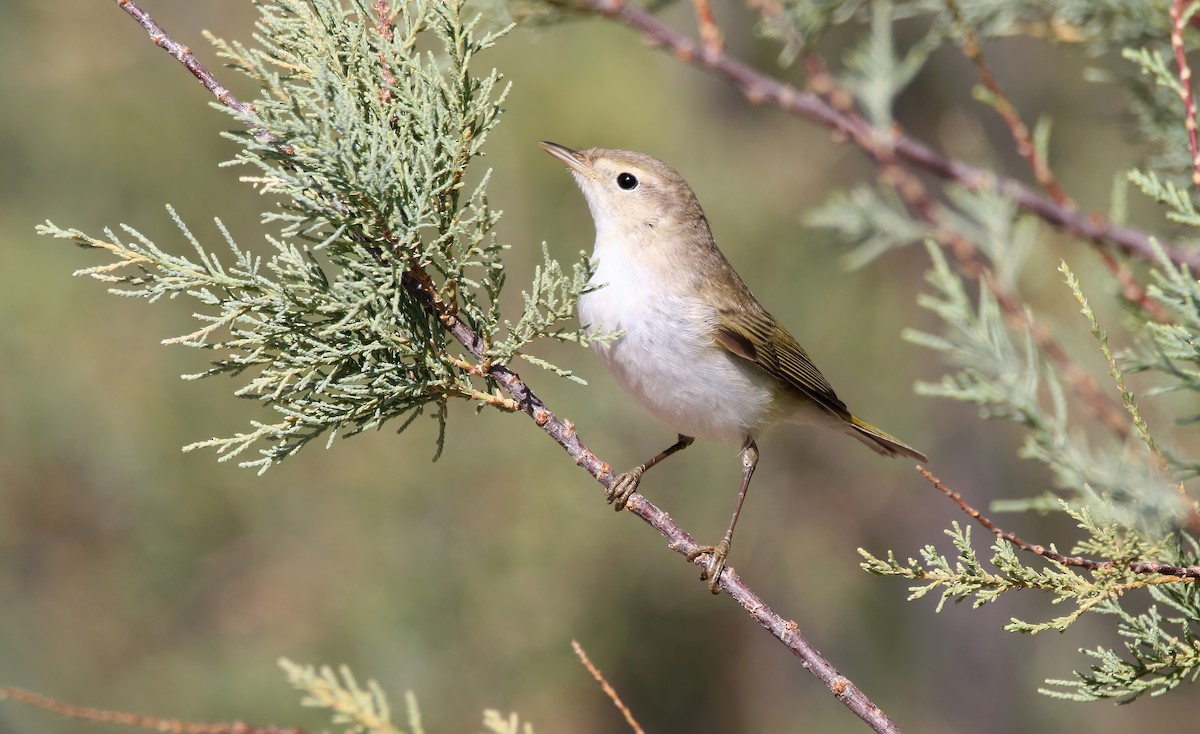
<point x="1137" y="546"/>
<point x="365" y="134"/>
<point x="361" y="710"/>
<point x="1126" y="497"/>
<point x="366" y="710"/>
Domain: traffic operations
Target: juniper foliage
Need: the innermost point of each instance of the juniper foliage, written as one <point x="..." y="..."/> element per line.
<point x="366" y="135"/>
<point x="1126" y="497"/>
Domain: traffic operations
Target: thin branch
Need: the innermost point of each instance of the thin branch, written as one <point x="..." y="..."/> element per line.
<point x="563" y="432"/>
<point x="1004" y="107"/>
<point x="1131" y="290"/>
<point x="760" y="88"/>
<point x="710" y="33"/>
<point x="184" y="55"/>
<point x="1180" y="573"/>
<point x="1181" y="12"/>
<point x="122" y="718"/>
<point x="922" y="205"/>
<point x="608" y="689"/>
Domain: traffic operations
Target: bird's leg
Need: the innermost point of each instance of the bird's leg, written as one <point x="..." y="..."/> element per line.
<point x="626" y="484"/>
<point x="720" y="551"/>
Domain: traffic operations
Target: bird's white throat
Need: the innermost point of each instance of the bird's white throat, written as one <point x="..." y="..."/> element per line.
<point x="699" y="390"/>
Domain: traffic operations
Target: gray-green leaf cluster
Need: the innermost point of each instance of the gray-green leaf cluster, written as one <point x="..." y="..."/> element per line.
<point x="365" y="137"/>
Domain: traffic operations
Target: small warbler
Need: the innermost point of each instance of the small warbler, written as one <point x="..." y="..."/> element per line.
<point x="695" y="347"/>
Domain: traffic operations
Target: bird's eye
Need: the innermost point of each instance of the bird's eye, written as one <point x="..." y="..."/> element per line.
<point x="627" y="181"/>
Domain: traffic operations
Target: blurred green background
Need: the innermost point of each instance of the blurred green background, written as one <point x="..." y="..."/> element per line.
<point x="133" y="576"/>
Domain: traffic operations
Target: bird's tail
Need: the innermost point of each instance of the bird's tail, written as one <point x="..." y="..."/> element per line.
<point x="881" y="442"/>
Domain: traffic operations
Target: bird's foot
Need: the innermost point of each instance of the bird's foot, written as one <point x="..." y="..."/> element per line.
<point x="623" y="488"/>
<point x="716" y="564"/>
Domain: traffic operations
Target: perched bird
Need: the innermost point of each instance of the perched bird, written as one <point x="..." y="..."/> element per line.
<point x="695" y="347"/>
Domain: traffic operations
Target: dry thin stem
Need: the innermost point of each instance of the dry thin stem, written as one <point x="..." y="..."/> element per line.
<point x="760" y="88"/>
<point x="417" y="282"/>
<point x="1179" y="573"/>
<point x="608" y="689"/>
<point x="1008" y="112"/>
<point x="1000" y="102"/>
<point x="122" y="718"/>
<point x="184" y="55"/>
<point x="1180" y="12"/>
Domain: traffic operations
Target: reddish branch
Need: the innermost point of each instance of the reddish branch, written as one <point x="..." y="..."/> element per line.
<point x="563" y="432"/>
<point x="607" y="688"/>
<point x="1130" y="288"/>
<point x="760" y="88"/>
<point x="171" y="726"/>
<point x="1180" y="12"/>
<point x="184" y="55"/>
<point x="1091" y="564"/>
<point x="709" y="32"/>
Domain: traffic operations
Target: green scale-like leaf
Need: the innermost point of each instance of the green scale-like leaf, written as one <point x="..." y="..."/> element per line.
<point x="364" y="136"/>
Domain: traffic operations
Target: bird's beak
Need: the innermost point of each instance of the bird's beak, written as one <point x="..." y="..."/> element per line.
<point x="573" y="158"/>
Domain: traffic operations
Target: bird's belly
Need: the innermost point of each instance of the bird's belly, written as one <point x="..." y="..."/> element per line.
<point x="668" y="361"/>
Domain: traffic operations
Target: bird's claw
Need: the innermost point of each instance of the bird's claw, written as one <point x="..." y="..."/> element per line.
<point x="623" y="488"/>
<point x="716" y="564"/>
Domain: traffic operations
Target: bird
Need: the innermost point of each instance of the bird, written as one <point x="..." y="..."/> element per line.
<point x="690" y="343"/>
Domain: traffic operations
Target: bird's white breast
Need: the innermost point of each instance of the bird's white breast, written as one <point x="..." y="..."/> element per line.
<point x="666" y="357"/>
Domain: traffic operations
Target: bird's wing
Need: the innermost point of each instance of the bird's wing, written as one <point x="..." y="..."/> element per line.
<point x="759" y="338"/>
